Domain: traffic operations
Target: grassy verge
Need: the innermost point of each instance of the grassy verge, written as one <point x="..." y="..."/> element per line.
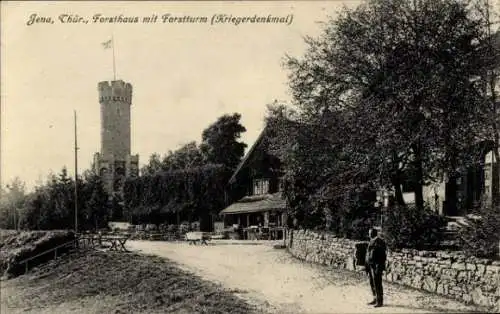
<point x="106" y="282"/>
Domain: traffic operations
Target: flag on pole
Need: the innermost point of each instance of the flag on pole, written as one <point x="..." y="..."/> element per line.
<point x="107" y="44"/>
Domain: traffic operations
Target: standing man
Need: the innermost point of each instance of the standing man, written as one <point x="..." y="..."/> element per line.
<point x="375" y="265"/>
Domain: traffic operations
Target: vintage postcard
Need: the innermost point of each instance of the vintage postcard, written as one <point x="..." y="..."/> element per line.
<point x="332" y="156"/>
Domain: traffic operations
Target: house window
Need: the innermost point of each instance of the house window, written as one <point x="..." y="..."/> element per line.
<point x="260" y="186"/>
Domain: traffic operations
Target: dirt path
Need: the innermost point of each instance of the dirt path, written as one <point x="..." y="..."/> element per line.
<point x="278" y="283"/>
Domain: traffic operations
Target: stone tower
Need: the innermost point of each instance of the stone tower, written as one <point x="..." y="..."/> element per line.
<point x="114" y="163"/>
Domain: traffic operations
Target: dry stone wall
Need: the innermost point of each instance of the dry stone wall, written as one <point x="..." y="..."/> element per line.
<point x="451" y="274"/>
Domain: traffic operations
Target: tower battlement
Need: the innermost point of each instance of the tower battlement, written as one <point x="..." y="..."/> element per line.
<point x="115" y="91"/>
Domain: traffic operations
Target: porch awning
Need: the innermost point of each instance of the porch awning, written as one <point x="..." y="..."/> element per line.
<point x="255" y="204"/>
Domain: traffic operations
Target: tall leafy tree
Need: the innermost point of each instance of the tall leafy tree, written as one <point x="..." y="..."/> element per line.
<point x="219" y="145"/>
<point x="51" y="205"/>
<point x="318" y="174"/>
<point x="186" y="157"/>
<point x="401" y="75"/>
<point x="490" y="45"/>
<point x="220" y="141"/>
<point x="154" y="164"/>
<point x="11" y="203"/>
<point x="95" y="209"/>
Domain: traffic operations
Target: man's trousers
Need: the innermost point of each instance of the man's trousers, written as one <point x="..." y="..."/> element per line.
<point x="376" y="284"/>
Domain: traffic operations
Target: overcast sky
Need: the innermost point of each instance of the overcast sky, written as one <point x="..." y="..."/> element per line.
<point x="184" y="75"/>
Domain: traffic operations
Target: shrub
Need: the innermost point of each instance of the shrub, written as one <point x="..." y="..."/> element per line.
<point x="357" y="216"/>
<point x="480" y="236"/>
<point x="409" y="227"/>
<point x="358" y="229"/>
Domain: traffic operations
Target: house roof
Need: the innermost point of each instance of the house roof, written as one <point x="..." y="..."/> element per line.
<point x="248" y="154"/>
<point x="254" y="146"/>
<point x="255" y="204"/>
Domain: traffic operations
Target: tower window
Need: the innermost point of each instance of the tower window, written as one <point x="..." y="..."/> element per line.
<point x="120" y="171"/>
<point x="103" y="171"/>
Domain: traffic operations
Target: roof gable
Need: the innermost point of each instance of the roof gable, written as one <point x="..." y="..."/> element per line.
<point x="250" y="152"/>
<point x="262" y="136"/>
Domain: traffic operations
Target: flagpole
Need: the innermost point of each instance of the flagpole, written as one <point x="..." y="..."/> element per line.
<point x="1" y="185"/>
<point x="76" y="178"/>
<point x="114" y="65"/>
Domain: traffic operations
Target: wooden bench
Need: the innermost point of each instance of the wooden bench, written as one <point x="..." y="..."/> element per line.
<point x="155" y="236"/>
<point x="117" y="242"/>
<point x="89" y="240"/>
<point x="193" y="237"/>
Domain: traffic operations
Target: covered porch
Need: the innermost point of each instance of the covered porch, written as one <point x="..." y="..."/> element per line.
<point x="257" y="217"/>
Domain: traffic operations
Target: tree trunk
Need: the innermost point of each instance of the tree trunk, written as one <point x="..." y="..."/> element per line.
<point x="419" y="179"/>
<point x="396" y="182"/>
<point x="495" y="174"/>
<point x="451" y="191"/>
<point x="451" y="196"/>
<point x="419" y="196"/>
